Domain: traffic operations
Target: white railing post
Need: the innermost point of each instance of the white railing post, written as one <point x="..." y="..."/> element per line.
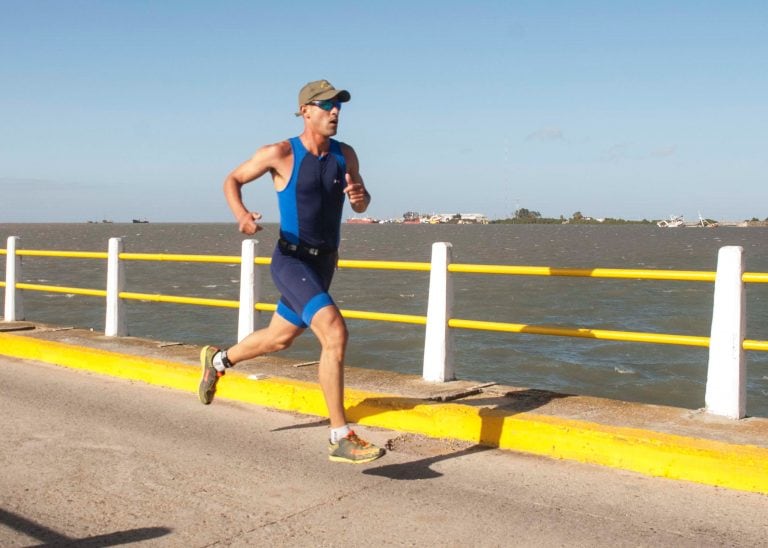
<point x="14" y="302"/>
<point x="250" y="289"/>
<point x="726" y="392"/>
<point x="438" y="342"/>
<point x="115" y="324"/>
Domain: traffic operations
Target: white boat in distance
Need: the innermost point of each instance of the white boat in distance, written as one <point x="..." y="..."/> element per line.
<point x="674" y="221"/>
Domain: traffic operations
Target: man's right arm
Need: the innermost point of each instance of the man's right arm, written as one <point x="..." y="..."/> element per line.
<point x="267" y="159"/>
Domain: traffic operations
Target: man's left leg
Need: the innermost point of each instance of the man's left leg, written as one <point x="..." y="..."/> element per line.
<point x="345" y="446"/>
<point x="277" y="336"/>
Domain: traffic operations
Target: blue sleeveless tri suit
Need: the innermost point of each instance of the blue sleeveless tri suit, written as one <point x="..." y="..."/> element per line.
<point x="305" y="258"/>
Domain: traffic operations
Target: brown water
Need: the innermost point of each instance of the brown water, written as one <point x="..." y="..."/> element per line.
<point x="649" y="373"/>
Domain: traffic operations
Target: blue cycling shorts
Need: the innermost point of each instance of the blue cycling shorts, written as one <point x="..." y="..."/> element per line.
<point x="303" y="284"/>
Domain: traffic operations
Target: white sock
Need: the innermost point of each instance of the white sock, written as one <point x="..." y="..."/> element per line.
<point x="218" y="364"/>
<point x="340" y="432"/>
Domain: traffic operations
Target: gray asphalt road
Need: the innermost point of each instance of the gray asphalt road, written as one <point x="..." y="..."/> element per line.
<point x="96" y="461"/>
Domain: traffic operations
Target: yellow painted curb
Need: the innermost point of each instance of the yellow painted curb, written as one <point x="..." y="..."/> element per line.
<point x="743" y="467"/>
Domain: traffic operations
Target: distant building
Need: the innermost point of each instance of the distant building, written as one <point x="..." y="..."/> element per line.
<point x="458" y="219"/>
<point x="413" y="217"/>
<point x="473" y="218"/>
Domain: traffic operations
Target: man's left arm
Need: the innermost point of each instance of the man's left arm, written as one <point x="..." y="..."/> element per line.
<point x="359" y="197"/>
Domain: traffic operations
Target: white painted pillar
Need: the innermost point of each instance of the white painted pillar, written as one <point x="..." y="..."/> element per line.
<point x="250" y="290"/>
<point x="438" y="342"/>
<point x="115" y="324"/>
<point x="726" y="393"/>
<point x="14" y="302"/>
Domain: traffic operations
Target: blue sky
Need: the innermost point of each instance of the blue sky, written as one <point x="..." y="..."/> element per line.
<point x="125" y="109"/>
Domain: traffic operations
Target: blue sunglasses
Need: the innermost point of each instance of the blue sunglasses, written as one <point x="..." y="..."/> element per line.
<point x="327" y="105"/>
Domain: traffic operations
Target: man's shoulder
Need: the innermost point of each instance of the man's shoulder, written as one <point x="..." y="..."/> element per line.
<point x="341" y="144"/>
<point x="281" y="149"/>
<point x="347" y="151"/>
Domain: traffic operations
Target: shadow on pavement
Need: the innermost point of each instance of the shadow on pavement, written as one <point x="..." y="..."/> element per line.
<point x="313" y="424"/>
<point x="49" y="537"/>
<point x="420" y="469"/>
<point x="492" y="411"/>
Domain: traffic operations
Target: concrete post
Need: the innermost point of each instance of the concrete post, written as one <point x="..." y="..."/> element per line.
<point x="115" y="324"/>
<point x="250" y="290"/>
<point x="14" y="302"/>
<point x="438" y="342"/>
<point x="726" y="392"/>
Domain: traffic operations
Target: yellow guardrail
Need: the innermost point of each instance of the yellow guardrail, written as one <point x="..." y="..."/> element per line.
<point x="384" y="317"/>
<point x="458" y="268"/>
<point x="385" y="265"/>
<point x="755" y="345"/>
<point x="61" y="289"/>
<point x="179" y="258"/>
<point x="149" y="297"/>
<point x="584" y="333"/>
<point x="755" y="277"/>
<point x="619" y="273"/>
<point x="62" y="254"/>
<point x="616" y="273"/>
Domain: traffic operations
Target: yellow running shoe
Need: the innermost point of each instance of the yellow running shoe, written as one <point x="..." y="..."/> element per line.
<point x="354" y="450"/>
<point x="210" y="375"/>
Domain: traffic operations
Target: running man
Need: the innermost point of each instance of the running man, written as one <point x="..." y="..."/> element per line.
<point x="311" y="174"/>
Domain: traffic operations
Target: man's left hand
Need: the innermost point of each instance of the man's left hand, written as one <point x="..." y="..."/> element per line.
<point x="358" y="196"/>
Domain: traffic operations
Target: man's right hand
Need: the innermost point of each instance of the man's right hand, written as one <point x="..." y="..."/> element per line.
<point x="247" y="222"/>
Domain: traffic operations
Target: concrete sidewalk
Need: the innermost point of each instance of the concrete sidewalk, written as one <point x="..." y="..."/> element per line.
<point x="92" y="460"/>
<point x="650" y="439"/>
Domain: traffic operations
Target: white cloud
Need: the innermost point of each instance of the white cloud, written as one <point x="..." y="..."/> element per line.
<point x="619" y="151"/>
<point x="547" y="134"/>
<point x="664" y="152"/>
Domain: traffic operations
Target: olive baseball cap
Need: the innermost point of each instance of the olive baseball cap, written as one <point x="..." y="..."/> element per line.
<point x="320" y="90"/>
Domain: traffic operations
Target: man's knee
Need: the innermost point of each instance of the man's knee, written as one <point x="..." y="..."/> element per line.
<point x="338" y="334"/>
<point x="282" y="341"/>
<point x="281" y="333"/>
<point x="331" y="329"/>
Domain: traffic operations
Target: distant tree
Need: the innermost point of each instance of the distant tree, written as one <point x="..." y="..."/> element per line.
<point x="577" y="216"/>
<point x="524" y="214"/>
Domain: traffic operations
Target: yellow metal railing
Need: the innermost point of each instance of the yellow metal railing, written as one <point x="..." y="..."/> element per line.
<point x="384" y="317"/>
<point x="61" y="254"/>
<point x="179" y="258"/>
<point x="619" y="273"/>
<point x="149" y="297"/>
<point x="457" y="323"/>
<point x="61" y="289"/>
<point x="584" y="333"/>
<point x="385" y="265"/>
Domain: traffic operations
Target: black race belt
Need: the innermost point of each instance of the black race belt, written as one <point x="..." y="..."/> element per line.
<point x="302" y="250"/>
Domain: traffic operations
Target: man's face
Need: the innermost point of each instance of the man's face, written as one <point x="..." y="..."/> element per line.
<point x="323" y="116"/>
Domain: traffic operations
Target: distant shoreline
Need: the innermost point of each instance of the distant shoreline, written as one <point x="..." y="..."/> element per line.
<point x="722" y="224"/>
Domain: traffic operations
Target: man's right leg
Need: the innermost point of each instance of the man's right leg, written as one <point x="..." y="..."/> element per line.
<point x="277" y="336"/>
<point x="344" y="445"/>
